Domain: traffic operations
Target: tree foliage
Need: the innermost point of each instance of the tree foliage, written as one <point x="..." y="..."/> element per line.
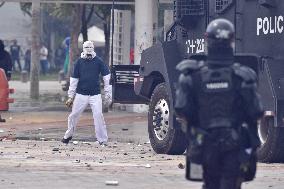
<point x="26" y="8"/>
<point x="59" y="17"/>
<point x="2" y="3"/>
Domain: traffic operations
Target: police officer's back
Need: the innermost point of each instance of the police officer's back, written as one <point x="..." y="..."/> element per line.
<point x="219" y="101"/>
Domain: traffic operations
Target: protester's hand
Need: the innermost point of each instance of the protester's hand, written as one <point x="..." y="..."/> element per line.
<point x="108" y="97"/>
<point x="108" y="94"/>
<point x="69" y="102"/>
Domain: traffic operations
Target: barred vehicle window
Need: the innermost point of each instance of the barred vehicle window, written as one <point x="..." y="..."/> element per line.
<point x="188" y="7"/>
<point x="222" y="5"/>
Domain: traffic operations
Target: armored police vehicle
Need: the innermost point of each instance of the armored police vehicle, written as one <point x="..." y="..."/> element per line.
<point x="259" y="44"/>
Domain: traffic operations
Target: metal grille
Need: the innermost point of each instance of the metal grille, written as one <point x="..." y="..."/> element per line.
<point x="126" y="76"/>
<point x="125" y="73"/>
<point x="188" y="7"/>
<point x="221" y="5"/>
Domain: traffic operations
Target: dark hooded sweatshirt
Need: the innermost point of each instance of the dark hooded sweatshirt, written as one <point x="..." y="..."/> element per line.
<point x="5" y="61"/>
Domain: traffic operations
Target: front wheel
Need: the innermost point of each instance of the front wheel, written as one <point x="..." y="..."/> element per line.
<point x="163" y="138"/>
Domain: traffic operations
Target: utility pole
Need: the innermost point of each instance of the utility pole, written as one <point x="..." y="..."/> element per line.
<point x="35" y="51"/>
<point x="146" y="13"/>
<point x="75" y="31"/>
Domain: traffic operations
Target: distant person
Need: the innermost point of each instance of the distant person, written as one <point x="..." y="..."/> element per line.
<point x="43" y="59"/>
<point x="5" y="64"/>
<point x="66" y="61"/>
<point x="5" y="61"/>
<point x="27" y="65"/>
<point x="59" y="58"/>
<point x="15" y="51"/>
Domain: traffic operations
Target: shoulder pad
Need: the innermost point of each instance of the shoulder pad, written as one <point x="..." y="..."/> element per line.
<point x="245" y="72"/>
<point x="187" y="66"/>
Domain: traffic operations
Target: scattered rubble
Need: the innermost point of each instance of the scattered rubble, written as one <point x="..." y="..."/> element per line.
<point x="77" y="161"/>
<point x="75" y="142"/>
<point x="148" y="166"/>
<point x="181" y="166"/>
<point x="55" y="149"/>
<point x="112" y="182"/>
<point x="86" y="143"/>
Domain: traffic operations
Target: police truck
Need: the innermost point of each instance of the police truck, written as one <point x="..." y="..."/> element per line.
<point x="259" y="44"/>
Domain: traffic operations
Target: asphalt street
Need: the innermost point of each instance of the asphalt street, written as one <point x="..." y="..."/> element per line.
<point x="32" y="156"/>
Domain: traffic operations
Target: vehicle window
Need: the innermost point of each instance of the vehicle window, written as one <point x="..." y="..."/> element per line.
<point x="222" y="5"/>
<point x="189" y="7"/>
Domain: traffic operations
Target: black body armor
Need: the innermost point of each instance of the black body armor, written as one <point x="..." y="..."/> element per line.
<point x="217" y="98"/>
<point x="211" y="98"/>
<point x="215" y="95"/>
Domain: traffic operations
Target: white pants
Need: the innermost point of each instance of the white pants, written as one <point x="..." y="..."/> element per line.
<point x="79" y="105"/>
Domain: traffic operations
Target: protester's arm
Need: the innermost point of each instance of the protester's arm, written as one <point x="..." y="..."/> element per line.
<point x="107" y="87"/>
<point x="74" y="80"/>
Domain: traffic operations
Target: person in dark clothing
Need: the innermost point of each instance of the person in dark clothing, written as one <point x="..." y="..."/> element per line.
<point x="59" y="58"/>
<point x="15" y="51"/>
<point x="5" y="64"/>
<point x="220" y="104"/>
<point x="5" y="61"/>
<point x="27" y="66"/>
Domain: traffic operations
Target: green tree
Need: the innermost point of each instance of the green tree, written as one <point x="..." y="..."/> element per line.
<point x="87" y="13"/>
<point x="103" y="12"/>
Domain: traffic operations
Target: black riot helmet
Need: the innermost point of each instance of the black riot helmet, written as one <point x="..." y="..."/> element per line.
<point x="220" y="35"/>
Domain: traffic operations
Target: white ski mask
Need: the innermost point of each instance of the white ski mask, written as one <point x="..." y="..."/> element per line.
<point x="88" y="50"/>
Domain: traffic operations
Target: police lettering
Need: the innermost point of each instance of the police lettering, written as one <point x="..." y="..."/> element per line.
<point x="270" y="25"/>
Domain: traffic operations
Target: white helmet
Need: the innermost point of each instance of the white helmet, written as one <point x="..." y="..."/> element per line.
<point x="88" y="50"/>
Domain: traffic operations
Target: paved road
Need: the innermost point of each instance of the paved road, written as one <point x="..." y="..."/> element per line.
<point x="32" y="157"/>
<point x="49" y="164"/>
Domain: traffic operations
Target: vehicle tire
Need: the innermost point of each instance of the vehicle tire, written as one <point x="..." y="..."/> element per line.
<point x="272" y="141"/>
<point x="164" y="140"/>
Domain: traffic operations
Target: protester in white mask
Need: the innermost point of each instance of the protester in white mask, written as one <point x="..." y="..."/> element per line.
<point x="84" y="89"/>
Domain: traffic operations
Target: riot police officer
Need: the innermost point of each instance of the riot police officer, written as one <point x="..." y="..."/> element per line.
<point x="218" y="100"/>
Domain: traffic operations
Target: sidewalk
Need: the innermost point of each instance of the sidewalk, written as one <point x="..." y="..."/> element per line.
<point x="51" y="97"/>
